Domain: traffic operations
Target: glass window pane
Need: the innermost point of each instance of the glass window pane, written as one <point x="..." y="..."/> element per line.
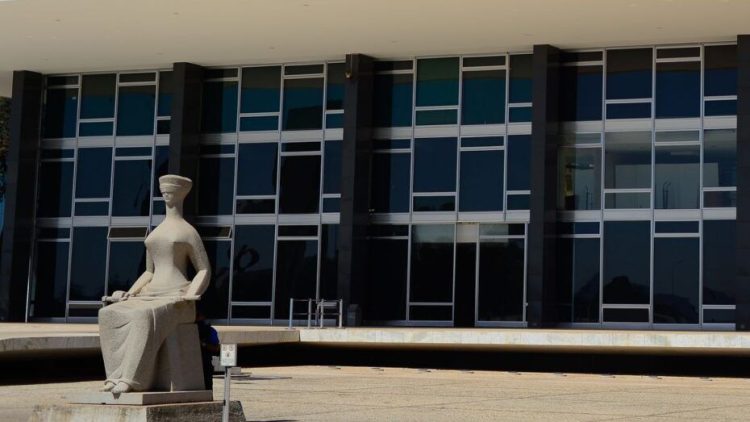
<point x="219" y="107"/>
<point x="215" y="299"/>
<point x="135" y="110"/>
<point x="386" y="288"/>
<point x="93" y="173"/>
<point x="519" y="162"/>
<point x="256" y="169"/>
<point x="501" y="266"/>
<point x="627" y="262"/>
<point x="676" y="281"/>
<point x="303" y="104"/>
<point x="329" y="261"/>
<point x="432" y="263"/>
<point x="627" y="200"/>
<point x="719" y="262"/>
<point x="332" y="168"/>
<point x="627" y="160"/>
<point x="629" y="73"/>
<point x="216" y="186"/>
<point x="51" y="277"/>
<point x="390" y="182"/>
<point x="435" y="165"/>
<point x="437" y="82"/>
<point x="581" y="93"/>
<point x="483" y="97"/>
<point x="55" y="189"/>
<point x="436" y="117"/>
<point x="434" y="203"/>
<point x="629" y="111"/>
<point x="161" y="167"/>
<point x="481" y="186"/>
<point x="95" y="129"/>
<point x="335" y="87"/>
<point x="300" y="184"/>
<point x="253" y="263"/>
<point x="520" y="78"/>
<point x="392" y="99"/>
<point x="578" y="275"/>
<point x="720" y="158"/>
<point x="166" y="90"/>
<point x="260" y="89"/>
<point x="720" y="108"/>
<point x="720" y="73"/>
<point x="296" y="274"/>
<point x="678" y="89"/>
<point x="60" y="112"/>
<point x="87" y="268"/>
<point x="677" y="177"/>
<point x="132" y="189"/>
<point x="98" y="96"/>
<point x="127" y="261"/>
<point x="580" y="178"/>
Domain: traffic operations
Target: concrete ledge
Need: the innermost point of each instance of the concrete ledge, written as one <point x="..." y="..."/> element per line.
<point x="142" y="398"/>
<point x="203" y="412"/>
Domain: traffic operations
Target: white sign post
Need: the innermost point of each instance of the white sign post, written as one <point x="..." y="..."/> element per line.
<point x="228" y="359"/>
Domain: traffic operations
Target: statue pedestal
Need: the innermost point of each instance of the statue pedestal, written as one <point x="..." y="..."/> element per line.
<point x="199" y="411"/>
<point x="142" y="398"/>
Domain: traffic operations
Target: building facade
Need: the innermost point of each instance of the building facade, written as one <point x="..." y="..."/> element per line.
<point x="595" y="188"/>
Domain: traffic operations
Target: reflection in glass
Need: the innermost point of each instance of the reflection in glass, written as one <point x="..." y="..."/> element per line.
<point x="253" y="263"/>
<point x="98" y="96"/>
<point x="720" y="158"/>
<point x="215" y="300"/>
<point x="215" y="185"/>
<point x="135" y="110"/>
<point x="627" y="160"/>
<point x="581" y="93"/>
<point x="719" y="262"/>
<point x="437" y="82"/>
<point x="93" y="172"/>
<point x="256" y="169"/>
<point x="676" y="280"/>
<point x="386" y="288"/>
<point x="629" y="73"/>
<point x="519" y="162"/>
<point x="483" y="97"/>
<point x="127" y="261"/>
<point x="303" y="104"/>
<point x="520" y="78"/>
<point x="300" y="184"/>
<point x="55" y="188"/>
<point x="677" y="177"/>
<point x="161" y="167"/>
<point x="87" y="266"/>
<point x="580" y="178"/>
<point x="332" y="167"/>
<point x="501" y="266"/>
<point x="51" y="278"/>
<point x="678" y="89"/>
<point x="219" y="107"/>
<point x="60" y="110"/>
<point x="390" y="182"/>
<point x="329" y="260"/>
<point x="435" y="165"/>
<point x="432" y="263"/>
<point x="720" y="73"/>
<point x="627" y="262"/>
<point x="296" y="273"/>
<point x="335" y="86"/>
<point x="481" y="181"/>
<point x="132" y="188"/>
<point x="578" y="274"/>
<point x="627" y="200"/>
<point x="260" y="89"/>
<point x="434" y="203"/>
<point x="392" y="98"/>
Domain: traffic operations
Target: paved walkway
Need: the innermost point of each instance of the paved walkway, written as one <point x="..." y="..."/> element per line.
<point x="392" y="394"/>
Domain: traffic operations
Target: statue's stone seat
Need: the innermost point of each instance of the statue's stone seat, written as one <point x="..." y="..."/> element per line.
<point x="179" y="366"/>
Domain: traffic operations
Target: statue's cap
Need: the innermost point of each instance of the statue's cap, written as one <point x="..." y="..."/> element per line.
<point x="176" y="182"/>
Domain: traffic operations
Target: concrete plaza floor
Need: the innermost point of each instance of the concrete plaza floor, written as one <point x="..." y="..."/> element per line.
<point x="317" y="393"/>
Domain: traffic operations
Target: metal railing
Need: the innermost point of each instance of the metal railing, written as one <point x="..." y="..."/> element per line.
<point x="317" y="316"/>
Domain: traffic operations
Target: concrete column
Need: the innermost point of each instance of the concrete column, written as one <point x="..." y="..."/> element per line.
<point x="20" y="194"/>
<point x="356" y="156"/>
<point x="185" y="129"/>
<point x="743" y="184"/>
<point x="541" y="271"/>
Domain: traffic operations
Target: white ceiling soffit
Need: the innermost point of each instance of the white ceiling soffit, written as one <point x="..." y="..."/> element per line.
<point x="51" y="36"/>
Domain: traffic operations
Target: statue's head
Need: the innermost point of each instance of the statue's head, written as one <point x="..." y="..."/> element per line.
<point x="174" y="188"/>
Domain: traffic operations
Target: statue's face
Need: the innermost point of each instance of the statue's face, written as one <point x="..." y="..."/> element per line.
<point x="171" y="196"/>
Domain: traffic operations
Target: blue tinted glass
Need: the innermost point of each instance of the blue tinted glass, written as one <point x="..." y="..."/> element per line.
<point x="159" y="208"/>
<point x="253" y="263"/>
<point x="132" y="189"/>
<point x="87" y="267"/>
<point x="390" y="182"/>
<point x="256" y="169"/>
<point x="98" y="96"/>
<point x="334" y="121"/>
<point x="51" y="279"/>
<point x="58" y="153"/>
<point x="296" y="273"/>
<point x="219" y="107"/>
<point x="260" y="89"/>
<point x="676" y="285"/>
<point x="216" y="186"/>
<point x="578" y="272"/>
<point x="629" y="111"/>
<point x="252" y="124"/>
<point x="436" y="117"/>
<point x="581" y="93"/>
<point x="519" y="114"/>
<point x="481" y="182"/>
<point x="392" y="143"/>
<point x="95" y="129"/>
<point x="678" y="87"/>
<point x="720" y="158"/>
<point x="60" y="112"/>
<point x="166" y="90"/>
<point x="393" y="100"/>
<point x="485" y="141"/>
<point x="300" y="184"/>
<point x="437" y="82"/>
<point x="719" y="262"/>
<point x="127" y="261"/>
<point x="55" y="189"/>
<point x="93" y="172"/>
<point x="216" y="297"/>
<point x="677" y="177"/>
<point x="161" y="166"/>
<point x="483" y="97"/>
<point x="520" y="78"/>
<point x="332" y="167"/>
<point x="256" y="206"/>
<point x="303" y="104"/>
<point x="91" y="208"/>
<point x="720" y="108"/>
<point x="335" y="87"/>
<point x="133" y="152"/>
<point x="579" y="178"/>
<point x="720" y="73"/>
<point x="519" y="162"/>
<point x="627" y="247"/>
<point x="629" y="73"/>
<point x="518" y="202"/>
<point x="676" y="227"/>
<point x="331" y="204"/>
<point x="434" y="203"/>
<point x="163" y="127"/>
<point x="135" y="110"/>
<point x="435" y="165"/>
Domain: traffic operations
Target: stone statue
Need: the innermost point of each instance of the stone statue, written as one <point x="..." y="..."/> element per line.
<point x="134" y="327"/>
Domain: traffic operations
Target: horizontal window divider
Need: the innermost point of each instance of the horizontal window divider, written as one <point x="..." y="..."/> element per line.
<point x="629" y="101"/>
<point x="392" y="151"/>
<point x="134" y="158"/>
<point x="228" y="79"/>
<point x="631" y="190"/>
<point x="163" y="118"/>
<point x="388" y="237"/>
<point x="430" y="303"/>
<point x="584" y="63"/>
<point x="436" y="108"/>
<point x="720" y="98"/>
<point x="335" y="111"/>
<point x="300" y="153"/>
<point x="143" y="83"/>
<point x="433" y="194"/>
<point x="496" y="148"/>
<point x="720" y="307"/>
<point x="581" y="146"/>
<point x="291" y="238"/>
<point x="720" y="189"/>
<point x="97" y="120"/>
<point x="53" y="239"/>
<point x="396" y="72"/>
<point x="518" y="192"/>
<point x="331" y="195"/>
<point x="676" y="235"/>
<point x="84" y="304"/>
<point x="58" y="160"/>
<point x="91" y="221"/>
<point x="91" y="199"/>
<point x="677" y="144"/>
<point x="519" y="105"/>
<point x="305" y="76"/>
<point x="482" y="68"/>
<point x="625" y="306"/>
<point x="251" y="303"/>
<point x="501" y="237"/>
<point x="239" y="197"/>
<point x="263" y="114"/>
<point x="54" y="222"/>
<point x="63" y="86"/>
<point x="678" y="60"/>
<point x="579" y="236"/>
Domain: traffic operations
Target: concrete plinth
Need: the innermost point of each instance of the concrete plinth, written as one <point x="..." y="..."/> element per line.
<point x="143" y="398"/>
<point x="204" y="412"/>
